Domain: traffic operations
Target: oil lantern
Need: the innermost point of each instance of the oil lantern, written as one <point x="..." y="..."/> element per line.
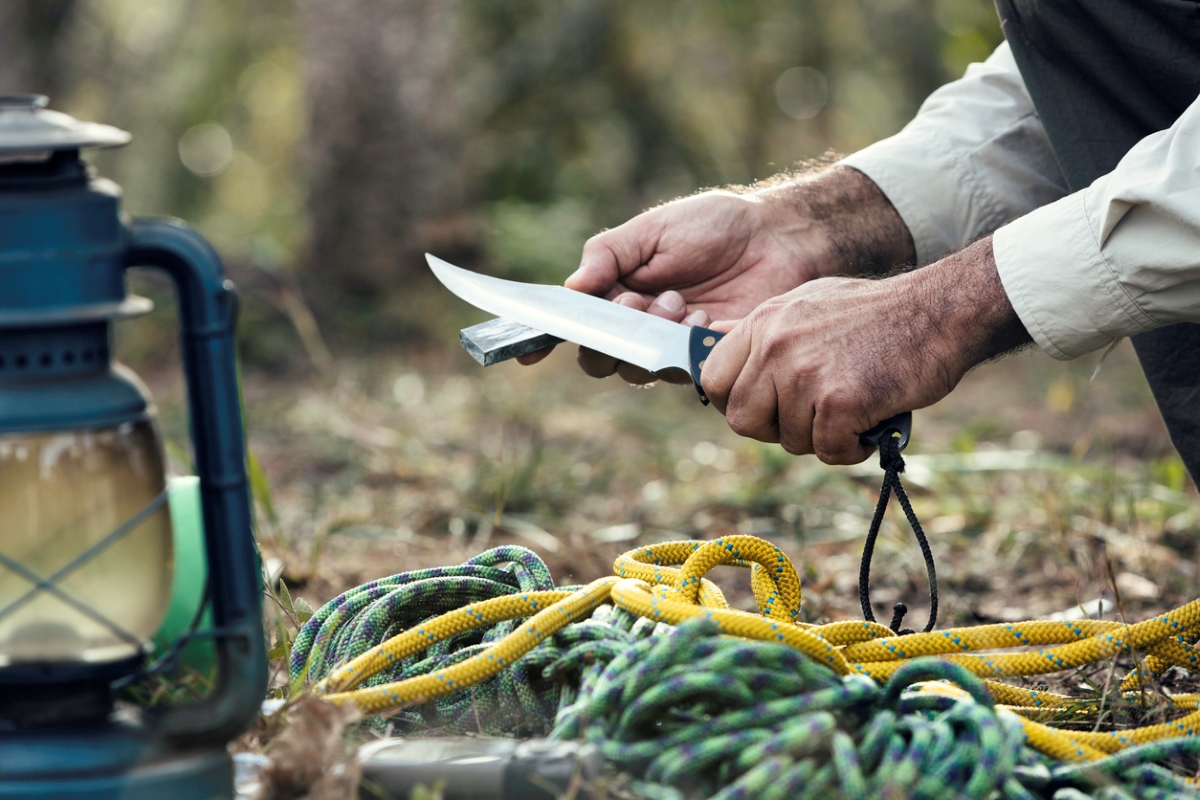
<point x="85" y="531"/>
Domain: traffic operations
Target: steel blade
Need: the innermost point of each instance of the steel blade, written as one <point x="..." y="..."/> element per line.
<point x="644" y="340"/>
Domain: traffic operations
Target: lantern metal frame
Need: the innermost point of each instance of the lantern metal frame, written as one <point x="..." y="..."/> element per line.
<point x="65" y="249"/>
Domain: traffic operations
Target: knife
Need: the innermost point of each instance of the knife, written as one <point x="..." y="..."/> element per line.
<point x="644" y="340"/>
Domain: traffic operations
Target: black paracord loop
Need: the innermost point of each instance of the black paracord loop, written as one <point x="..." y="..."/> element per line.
<point x="893" y="465"/>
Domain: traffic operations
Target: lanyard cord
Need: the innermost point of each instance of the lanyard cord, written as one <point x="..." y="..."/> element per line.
<point x="893" y="464"/>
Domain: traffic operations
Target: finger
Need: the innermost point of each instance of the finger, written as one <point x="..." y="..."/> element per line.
<point x="595" y="364"/>
<point x="631" y="374"/>
<point x="753" y="407"/>
<point x="599" y="365"/>
<point x="635" y="375"/>
<point x="723" y="325"/>
<point x="795" y="420"/>
<point x="535" y="356"/>
<point x="669" y="305"/>
<point x="613" y="253"/>
<point x="835" y="432"/>
<point x="699" y="317"/>
<point x="619" y="289"/>
<point x="680" y="377"/>
<point x="638" y="302"/>
<point x="720" y="370"/>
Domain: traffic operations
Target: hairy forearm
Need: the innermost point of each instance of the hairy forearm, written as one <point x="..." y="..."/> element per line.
<point x="856" y="229"/>
<point x="963" y="308"/>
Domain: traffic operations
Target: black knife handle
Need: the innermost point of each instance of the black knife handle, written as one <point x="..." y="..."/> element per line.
<point x="899" y="425"/>
<point x="700" y="345"/>
<point x="702" y="342"/>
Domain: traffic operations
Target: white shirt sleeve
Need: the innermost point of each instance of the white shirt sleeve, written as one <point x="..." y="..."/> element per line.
<point x="1117" y="258"/>
<point x="973" y="159"/>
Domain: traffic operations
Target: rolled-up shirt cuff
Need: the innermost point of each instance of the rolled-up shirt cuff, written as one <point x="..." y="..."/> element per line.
<point x="1059" y="283"/>
<point x="911" y="170"/>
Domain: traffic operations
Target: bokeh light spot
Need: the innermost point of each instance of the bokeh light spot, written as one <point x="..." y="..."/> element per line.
<point x="801" y="92"/>
<point x="206" y="149"/>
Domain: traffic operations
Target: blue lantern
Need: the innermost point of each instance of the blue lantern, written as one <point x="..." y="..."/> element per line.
<point x="85" y="532"/>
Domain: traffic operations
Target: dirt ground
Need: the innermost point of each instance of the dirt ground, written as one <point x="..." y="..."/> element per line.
<point x="1041" y="485"/>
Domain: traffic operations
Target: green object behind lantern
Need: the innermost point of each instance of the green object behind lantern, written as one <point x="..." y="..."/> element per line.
<point x="191" y="571"/>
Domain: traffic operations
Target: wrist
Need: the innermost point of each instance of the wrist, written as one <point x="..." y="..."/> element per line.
<point x="966" y="316"/>
<point x="841" y="220"/>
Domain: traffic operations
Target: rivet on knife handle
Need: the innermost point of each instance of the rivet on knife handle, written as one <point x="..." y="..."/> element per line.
<point x="700" y="344"/>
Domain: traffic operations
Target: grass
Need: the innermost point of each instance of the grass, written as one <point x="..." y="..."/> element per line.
<point x="1040" y="488"/>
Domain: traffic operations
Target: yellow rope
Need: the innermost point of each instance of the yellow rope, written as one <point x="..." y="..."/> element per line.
<point x="666" y="583"/>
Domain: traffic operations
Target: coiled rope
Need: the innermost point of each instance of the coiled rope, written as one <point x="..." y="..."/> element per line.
<point x="693" y="713"/>
<point x="474" y="668"/>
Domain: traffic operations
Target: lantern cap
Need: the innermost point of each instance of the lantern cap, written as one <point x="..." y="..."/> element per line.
<point x="27" y="126"/>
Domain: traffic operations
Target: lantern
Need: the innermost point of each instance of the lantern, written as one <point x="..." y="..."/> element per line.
<point x="85" y="530"/>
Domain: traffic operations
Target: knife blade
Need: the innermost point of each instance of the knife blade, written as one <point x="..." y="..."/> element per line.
<point x="644" y="340"/>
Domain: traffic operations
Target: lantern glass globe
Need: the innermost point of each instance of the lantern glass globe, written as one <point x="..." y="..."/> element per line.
<point x="83" y="509"/>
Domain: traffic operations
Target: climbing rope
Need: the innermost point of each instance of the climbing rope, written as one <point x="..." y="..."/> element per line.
<point x="521" y="657"/>
<point x="694" y="713"/>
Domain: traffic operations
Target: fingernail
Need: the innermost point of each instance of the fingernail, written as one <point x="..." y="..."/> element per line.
<point x="671" y="301"/>
<point x="696" y="318"/>
<point x="627" y="300"/>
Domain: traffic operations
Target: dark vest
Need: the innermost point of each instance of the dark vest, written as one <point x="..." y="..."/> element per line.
<point x="1103" y="74"/>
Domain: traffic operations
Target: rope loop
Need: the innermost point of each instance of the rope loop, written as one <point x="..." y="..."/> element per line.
<point x="676" y="688"/>
<point x="773" y="578"/>
<point x="893" y="464"/>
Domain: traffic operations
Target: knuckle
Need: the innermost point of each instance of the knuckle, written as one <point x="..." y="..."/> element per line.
<point x="836" y="403"/>
<point x="835" y="454"/>
<point x="738" y="423"/>
<point x="793" y="444"/>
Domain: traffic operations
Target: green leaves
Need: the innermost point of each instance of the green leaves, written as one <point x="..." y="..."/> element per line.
<point x="260" y="487"/>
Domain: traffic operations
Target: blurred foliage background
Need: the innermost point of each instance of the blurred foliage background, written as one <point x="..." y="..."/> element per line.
<point x="323" y="145"/>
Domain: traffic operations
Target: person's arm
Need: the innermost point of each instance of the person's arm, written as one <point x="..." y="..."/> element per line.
<point x="820" y="365"/>
<point x="975" y="158"/>
<point x="711" y="258"/>
<point x="815" y="368"/>
<point x="1117" y="258"/>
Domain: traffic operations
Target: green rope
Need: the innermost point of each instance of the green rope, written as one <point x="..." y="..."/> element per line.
<point x="693" y="714"/>
<point x="520" y="701"/>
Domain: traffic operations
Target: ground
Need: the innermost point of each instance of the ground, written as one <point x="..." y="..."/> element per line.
<point x="1041" y="485"/>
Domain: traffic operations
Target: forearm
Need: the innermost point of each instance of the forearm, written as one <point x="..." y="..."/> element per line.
<point x="814" y="368"/>
<point x="851" y="227"/>
<point x="962" y="308"/>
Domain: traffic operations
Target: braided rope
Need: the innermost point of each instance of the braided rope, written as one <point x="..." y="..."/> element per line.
<point x="441" y="668"/>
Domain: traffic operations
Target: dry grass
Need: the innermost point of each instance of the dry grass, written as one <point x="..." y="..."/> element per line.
<point x="1039" y="488"/>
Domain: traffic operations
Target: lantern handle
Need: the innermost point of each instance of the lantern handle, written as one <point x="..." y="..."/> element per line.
<point x="207" y="318"/>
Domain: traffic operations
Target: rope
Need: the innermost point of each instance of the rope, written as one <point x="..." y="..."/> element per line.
<point x="699" y="714"/>
<point x="893" y="464"/>
<point x="400" y="646"/>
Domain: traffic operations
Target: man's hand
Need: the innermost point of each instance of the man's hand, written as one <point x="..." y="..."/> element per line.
<point x="820" y="365"/>
<point x="712" y="258"/>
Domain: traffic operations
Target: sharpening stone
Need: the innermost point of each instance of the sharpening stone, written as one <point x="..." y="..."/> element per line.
<point x="500" y="339"/>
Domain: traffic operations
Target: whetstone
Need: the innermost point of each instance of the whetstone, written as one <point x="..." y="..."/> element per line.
<point x="500" y="339"/>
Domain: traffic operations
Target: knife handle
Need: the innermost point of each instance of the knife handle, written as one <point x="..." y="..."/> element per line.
<point x="702" y="342"/>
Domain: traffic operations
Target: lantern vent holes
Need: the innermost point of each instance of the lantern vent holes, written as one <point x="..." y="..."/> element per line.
<point x="59" y="352"/>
